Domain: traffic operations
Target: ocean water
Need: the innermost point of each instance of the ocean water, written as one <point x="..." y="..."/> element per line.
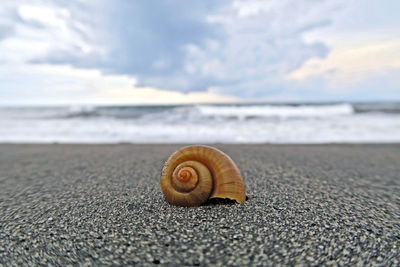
<point x="240" y="123"/>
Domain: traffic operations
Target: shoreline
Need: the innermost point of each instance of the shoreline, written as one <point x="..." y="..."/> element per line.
<point x="375" y="143"/>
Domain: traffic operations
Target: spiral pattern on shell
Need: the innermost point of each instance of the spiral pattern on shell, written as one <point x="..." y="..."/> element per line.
<point x="194" y="174"/>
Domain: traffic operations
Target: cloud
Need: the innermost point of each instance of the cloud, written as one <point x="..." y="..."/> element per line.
<point x="145" y="39"/>
<point x="243" y="48"/>
<point x="7" y="19"/>
<point x="5" y="31"/>
<point x="247" y="49"/>
<point x="377" y="86"/>
<point x="63" y="85"/>
<point x="353" y="63"/>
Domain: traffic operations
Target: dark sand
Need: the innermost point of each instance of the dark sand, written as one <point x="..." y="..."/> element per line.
<point x="102" y="204"/>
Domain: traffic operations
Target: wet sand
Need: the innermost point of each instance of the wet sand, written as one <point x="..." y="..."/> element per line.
<point x="102" y="204"/>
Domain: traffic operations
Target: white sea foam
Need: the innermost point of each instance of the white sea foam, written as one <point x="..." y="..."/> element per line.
<point x="277" y="111"/>
<point x="201" y="124"/>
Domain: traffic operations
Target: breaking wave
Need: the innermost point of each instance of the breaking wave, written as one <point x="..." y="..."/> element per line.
<point x="245" y="123"/>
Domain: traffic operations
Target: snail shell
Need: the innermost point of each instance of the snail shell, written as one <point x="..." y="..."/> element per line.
<point x="194" y="174"/>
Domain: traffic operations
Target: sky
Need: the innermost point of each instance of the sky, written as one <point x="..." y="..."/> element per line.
<point x="175" y="51"/>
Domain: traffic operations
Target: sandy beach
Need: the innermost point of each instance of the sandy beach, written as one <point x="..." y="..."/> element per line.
<point x="102" y="204"/>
